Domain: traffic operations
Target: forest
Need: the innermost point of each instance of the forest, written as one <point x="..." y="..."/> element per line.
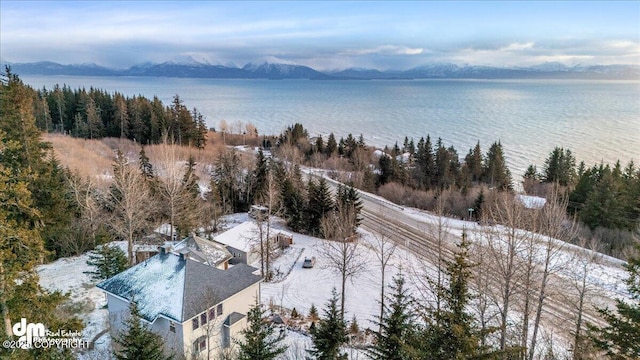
<point x="50" y="211"/>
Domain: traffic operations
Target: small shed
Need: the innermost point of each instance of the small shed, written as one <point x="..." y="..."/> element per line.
<point x="284" y="239"/>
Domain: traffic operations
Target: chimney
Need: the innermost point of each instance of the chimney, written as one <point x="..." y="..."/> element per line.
<point x="164" y="249"/>
<point x="184" y="254"/>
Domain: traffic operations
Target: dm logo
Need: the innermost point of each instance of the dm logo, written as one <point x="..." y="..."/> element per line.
<point x="27" y="332"/>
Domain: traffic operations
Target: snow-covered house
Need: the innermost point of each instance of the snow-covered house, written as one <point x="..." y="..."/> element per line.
<point x="243" y="241"/>
<point x="197" y="308"/>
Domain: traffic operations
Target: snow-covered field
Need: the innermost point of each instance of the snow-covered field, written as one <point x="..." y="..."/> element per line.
<point x="297" y="287"/>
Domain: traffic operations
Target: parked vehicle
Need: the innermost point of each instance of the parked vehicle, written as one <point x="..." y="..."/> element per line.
<point x="309" y="262"/>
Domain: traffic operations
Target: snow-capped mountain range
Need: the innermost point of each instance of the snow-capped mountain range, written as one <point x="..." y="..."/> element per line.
<point x="191" y="66"/>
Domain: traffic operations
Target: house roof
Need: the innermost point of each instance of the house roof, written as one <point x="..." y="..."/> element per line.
<point x="169" y="285"/>
<point x="233" y="318"/>
<point x="240" y="237"/>
<point x="203" y="250"/>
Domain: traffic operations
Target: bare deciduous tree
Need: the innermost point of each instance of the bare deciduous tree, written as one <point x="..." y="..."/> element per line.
<point x="341" y="247"/>
<point x="383" y="246"/>
<point x="130" y="200"/>
<point x="505" y="243"/>
<point x="587" y="256"/>
<point x="170" y="184"/>
<point x="557" y="229"/>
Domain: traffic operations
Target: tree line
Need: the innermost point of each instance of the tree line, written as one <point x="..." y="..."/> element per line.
<point x="95" y="113"/>
<point x="604" y="197"/>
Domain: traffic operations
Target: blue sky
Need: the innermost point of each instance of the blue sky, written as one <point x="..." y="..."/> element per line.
<point x="324" y="35"/>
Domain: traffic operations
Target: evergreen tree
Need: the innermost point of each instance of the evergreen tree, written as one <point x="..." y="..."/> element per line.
<point x="530" y="179"/>
<point x="320" y="203"/>
<point x="329" y="333"/>
<point x="313" y="313"/>
<point x="260" y="175"/>
<point x="620" y="338"/>
<point x="386" y="169"/>
<point x="145" y="165"/>
<point x="293" y="203"/>
<point x="425" y="164"/>
<point x="187" y="217"/>
<point x="319" y="146"/>
<point x="347" y="198"/>
<point x="604" y="205"/>
<point x="259" y="342"/>
<point x="332" y="145"/>
<point x="108" y="260"/>
<point x="473" y="163"/>
<point x="138" y="342"/>
<point x="496" y="173"/>
<point x="397" y="328"/>
<point x="52" y="196"/>
<point x="451" y="332"/>
<point x="560" y="167"/>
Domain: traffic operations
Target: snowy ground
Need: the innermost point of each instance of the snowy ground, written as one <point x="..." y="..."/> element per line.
<point x="67" y="275"/>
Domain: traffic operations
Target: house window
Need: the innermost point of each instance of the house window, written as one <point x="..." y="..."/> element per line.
<point x="219" y="311"/>
<point x="212" y="314"/>
<point x="203" y="318"/>
<point x="200" y="344"/>
<point x="172" y="326"/>
<point x="195" y="323"/>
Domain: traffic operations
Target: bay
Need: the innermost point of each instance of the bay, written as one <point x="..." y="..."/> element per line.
<point x="598" y="120"/>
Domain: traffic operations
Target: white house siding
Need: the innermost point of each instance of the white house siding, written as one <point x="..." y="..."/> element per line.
<point x="172" y="340"/>
<point x="119" y="313"/>
<point x="240" y="303"/>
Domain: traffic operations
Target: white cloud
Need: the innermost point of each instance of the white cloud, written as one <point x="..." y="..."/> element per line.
<point x="518" y="46"/>
<point x="385" y="50"/>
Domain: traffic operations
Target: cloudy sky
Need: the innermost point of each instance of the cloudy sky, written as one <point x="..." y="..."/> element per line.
<point x="324" y="35"/>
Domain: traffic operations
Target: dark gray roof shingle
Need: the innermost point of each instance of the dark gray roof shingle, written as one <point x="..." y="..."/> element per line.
<point x="168" y="285"/>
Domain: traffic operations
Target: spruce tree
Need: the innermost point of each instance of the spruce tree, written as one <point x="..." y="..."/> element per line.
<point x="397" y="328"/>
<point x="319" y="145"/>
<point x="560" y="167"/>
<point x="450" y="332"/>
<point x="332" y="145"/>
<point x="496" y="173"/>
<point x="473" y="163"/>
<point x="294" y="206"/>
<point x="145" y="165"/>
<point x="330" y="333"/>
<point x="260" y="179"/>
<point x="313" y="313"/>
<point x="138" y="342"/>
<point x="320" y="203"/>
<point x="108" y="260"/>
<point x="347" y="198"/>
<point x="259" y="341"/>
<point x="620" y="338"/>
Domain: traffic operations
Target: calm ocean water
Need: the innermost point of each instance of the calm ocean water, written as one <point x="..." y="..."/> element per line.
<point x="597" y="120"/>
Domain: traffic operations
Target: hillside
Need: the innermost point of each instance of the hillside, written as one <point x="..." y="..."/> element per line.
<point x="94" y="158"/>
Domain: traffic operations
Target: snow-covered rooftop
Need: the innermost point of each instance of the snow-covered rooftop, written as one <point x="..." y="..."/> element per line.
<point x="531" y="202"/>
<point x="240" y="237"/>
<point x="169" y="285"/>
<point x="203" y="250"/>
